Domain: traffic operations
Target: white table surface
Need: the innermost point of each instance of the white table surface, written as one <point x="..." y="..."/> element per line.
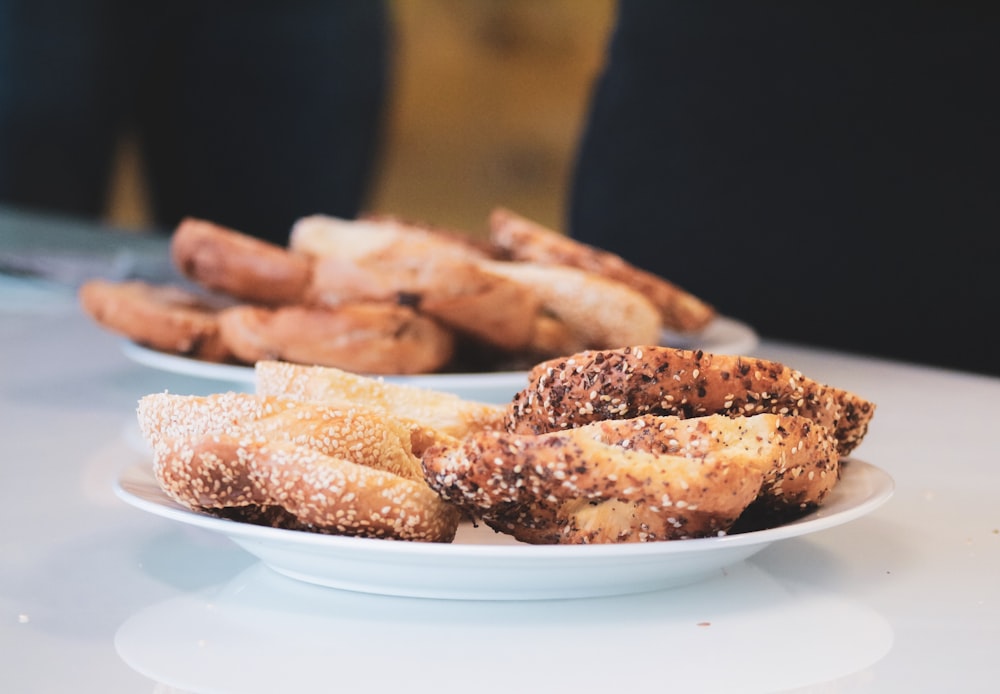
<point x="98" y="596"/>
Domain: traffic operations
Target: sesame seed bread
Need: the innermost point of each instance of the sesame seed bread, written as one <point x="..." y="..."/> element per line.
<point x="443" y="414"/>
<point x="595" y="385"/>
<point x="365" y="436"/>
<point x="644" y="479"/>
<point x="216" y="473"/>
<point x="293" y="464"/>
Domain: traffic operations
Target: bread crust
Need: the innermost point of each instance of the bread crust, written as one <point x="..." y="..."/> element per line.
<point x="526" y="240"/>
<point x="292" y="464"/>
<point x="346" y="430"/>
<point x="239" y="265"/>
<point x="323" y="236"/>
<point x="165" y="318"/>
<point x="441" y="416"/>
<point x="455" y="291"/>
<point x="643" y="479"/>
<point x="595" y="385"/>
<point x="220" y="472"/>
<point x="370" y="338"/>
<point x="599" y="313"/>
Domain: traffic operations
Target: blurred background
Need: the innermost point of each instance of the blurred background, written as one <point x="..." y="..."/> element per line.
<point x="487" y="106"/>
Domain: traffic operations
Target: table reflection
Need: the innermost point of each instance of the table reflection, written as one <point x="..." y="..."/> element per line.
<point x="262" y="632"/>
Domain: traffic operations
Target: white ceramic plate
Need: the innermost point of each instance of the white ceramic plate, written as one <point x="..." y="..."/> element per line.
<point x="722" y="336"/>
<point x="483" y="565"/>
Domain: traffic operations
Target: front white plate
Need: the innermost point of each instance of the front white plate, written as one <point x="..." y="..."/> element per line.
<point x="722" y="336"/>
<point x="483" y="565"/>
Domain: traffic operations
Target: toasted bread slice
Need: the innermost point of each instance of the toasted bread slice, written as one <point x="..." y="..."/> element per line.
<point x="526" y="240"/>
<point x="600" y="313"/>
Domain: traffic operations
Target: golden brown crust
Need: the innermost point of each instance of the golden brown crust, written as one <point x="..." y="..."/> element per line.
<point x="323" y="236"/>
<point x="441" y="273"/>
<point x="616" y="384"/>
<point x="365" y="337"/>
<point x="552" y="336"/>
<point x="526" y="240"/>
<point x="346" y="430"/>
<point x="239" y="265"/>
<point x="294" y="465"/>
<point x="455" y="291"/>
<point x="638" y="480"/>
<point x="599" y="313"/>
<point x="460" y="241"/>
<point x="218" y="472"/>
<point x="438" y="414"/>
<point x="166" y="318"/>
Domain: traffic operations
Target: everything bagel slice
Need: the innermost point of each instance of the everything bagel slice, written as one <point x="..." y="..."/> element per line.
<point x="644" y="479"/>
<point x="594" y="385"/>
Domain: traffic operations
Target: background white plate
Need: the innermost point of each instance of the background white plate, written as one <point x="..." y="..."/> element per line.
<point x="483" y="565"/>
<point x="722" y="336"/>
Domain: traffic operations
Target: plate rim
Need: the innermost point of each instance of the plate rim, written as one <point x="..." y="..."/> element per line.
<point x="881" y="483"/>
<point x="744" y="340"/>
